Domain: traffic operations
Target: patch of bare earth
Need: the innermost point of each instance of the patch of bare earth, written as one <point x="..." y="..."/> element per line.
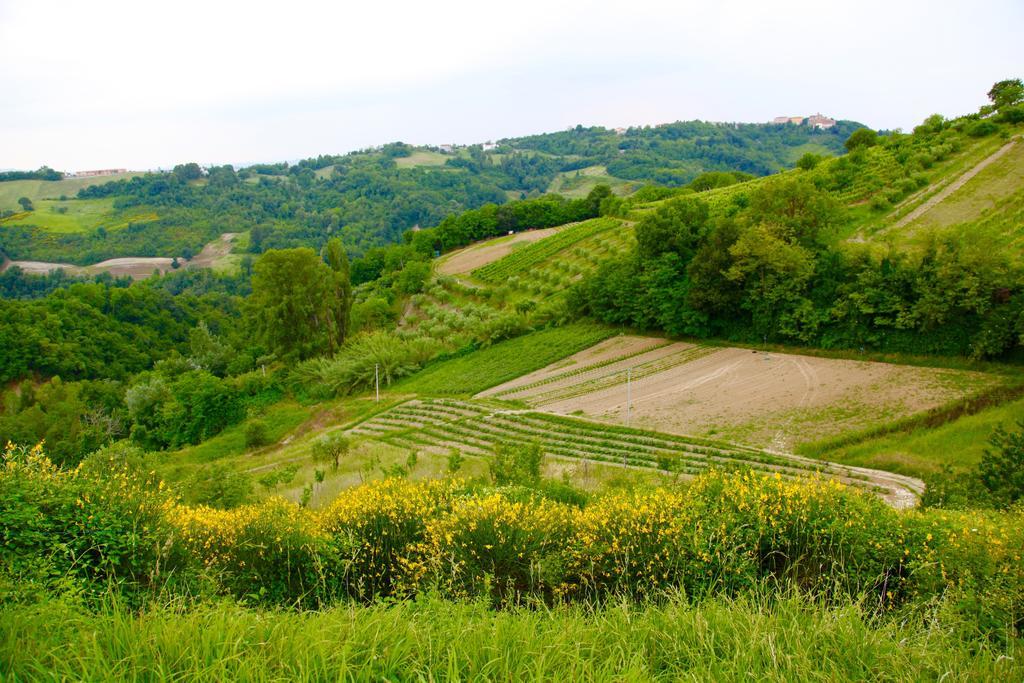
<point x="765" y="400"/>
<point x="479" y="255"/>
<point x="598" y="360"/>
<point x="213" y="251"/>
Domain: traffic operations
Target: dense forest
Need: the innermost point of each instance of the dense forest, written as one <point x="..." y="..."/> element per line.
<point x="674" y="154"/>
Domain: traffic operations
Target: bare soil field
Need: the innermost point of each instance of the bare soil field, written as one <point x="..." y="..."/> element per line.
<point x="602" y="357"/>
<point x="478" y="255"/>
<point x="764" y="400"/>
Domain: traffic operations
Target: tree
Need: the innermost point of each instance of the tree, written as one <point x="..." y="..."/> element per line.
<point x="1007" y="93"/>
<point x="862" y="137"/>
<point x="330" y="448"/>
<point x="186" y="172"/>
<point x="207" y="351"/>
<point x="517" y="465"/>
<point x="294" y="304"/>
<point x="1002" y="466"/>
<point x="678" y="227"/>
<point x="26" y="204"/>
<point x="773" y="272"/>
<point x="337" y="260"/>
<point x="809" y="161"/>
<point x="796" y="206"/>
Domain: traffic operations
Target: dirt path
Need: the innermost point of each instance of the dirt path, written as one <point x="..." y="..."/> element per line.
<point x="213" y="251"/>
<point x="942" y="194"/>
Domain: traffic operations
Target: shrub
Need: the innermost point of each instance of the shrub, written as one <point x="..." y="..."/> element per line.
<point x="256" y="433"/>
<point x="809" y="161"/>
<point x="980" y="129"/>
<point x="516" y="464"/>
<point x="271" y="553"/>
<point x="1002" y="466"/>
<point x="94" y="527"/>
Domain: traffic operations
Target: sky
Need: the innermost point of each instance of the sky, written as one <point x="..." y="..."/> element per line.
<point x="143" y="85"/>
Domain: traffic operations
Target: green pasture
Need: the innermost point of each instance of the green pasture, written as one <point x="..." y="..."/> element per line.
<point x="36" y="190"/>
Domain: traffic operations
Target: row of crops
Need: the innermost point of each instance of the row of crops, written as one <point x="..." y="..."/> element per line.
<point x="589" y="380"/>
<point x="477" y="428"/>
<point x="579" y="372"/>
<point x="527" y="257"/>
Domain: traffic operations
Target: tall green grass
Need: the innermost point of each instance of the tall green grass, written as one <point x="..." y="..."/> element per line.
<point x="925" y="448"/>
<point x="745" y="639"/>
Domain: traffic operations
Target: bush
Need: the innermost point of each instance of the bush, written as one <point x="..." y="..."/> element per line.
<point x="520" y="465"/>
<point x="1012" y="115"/>
<point x="93" y="527"/>
<point x="722" y="534"/>
<point x="1002" y="466"/>
<point x="809" y="161"/>
<point x="980" y="129"/>
<point x="256" y="433"/>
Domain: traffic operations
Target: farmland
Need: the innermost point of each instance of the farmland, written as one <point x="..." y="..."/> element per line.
<point x="523" y="262"/>
<point x="579" y="183"/>
<point x="37" y="190"/>
<point x="76" y="216"/>
<point x="479" y="255"/>
<point x="438" y="425"/>
<point x="771" y="400"/>
<point x="422" y="157"/>
<point x="214" y="255"/>
<point x="480" y="370"/>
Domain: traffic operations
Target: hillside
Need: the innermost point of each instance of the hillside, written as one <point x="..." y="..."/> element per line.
<point x="369" y="198"/>
<point x="786" y="401"/>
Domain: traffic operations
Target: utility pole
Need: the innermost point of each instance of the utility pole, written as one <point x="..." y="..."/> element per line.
<point x="376" y="379"/>
<point x="629" y="401"/>
<point x="629" y="392"/>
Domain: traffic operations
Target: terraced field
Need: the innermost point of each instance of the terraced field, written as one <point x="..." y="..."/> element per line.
<point x="473" y="427"/>
<point x="523" y="260"/>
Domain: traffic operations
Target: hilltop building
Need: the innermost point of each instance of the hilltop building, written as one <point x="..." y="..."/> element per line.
<point x="814" y="121"/>
<point x="819" y="121"/>
<point x="101" y="172"/>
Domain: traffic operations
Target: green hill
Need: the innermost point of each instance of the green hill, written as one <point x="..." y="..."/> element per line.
<point x="371" y="197"/>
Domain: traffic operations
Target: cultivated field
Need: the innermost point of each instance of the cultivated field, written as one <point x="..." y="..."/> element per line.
<point x="767" y="400"/>
<point x="214" y="255"/>
<point x="37" y="190"/>
<point x="478" y="255"/>
<point x="422" y="158"/>
<point x="477" y="428"/>
<point x="580" y="183"/>
<point x="532" y="263"/>
<point x="76" y="216"/>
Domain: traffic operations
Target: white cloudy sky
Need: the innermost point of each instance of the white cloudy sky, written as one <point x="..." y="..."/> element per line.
<point x="139" y="84"/>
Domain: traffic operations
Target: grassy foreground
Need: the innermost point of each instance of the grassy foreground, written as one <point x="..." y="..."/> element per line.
<point x="433" y="639"/>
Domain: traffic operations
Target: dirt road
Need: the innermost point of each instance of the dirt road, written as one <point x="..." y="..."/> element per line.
<point x="942" y="194"/>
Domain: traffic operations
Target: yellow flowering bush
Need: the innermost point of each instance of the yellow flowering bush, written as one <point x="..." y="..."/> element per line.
<point x="723" y="532"/>
<point x="490" y="545"/>
<point x="375" y="528"/>
<point x="273" y="552"/>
